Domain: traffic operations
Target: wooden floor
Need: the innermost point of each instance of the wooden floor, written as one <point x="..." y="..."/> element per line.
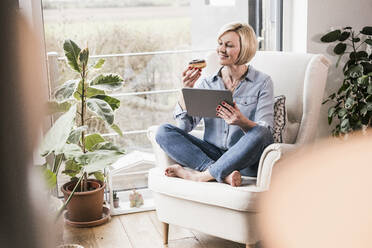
<point x="140" y="230"/>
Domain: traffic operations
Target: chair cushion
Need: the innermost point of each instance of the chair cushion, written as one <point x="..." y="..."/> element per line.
<point x="280" y="119"/>
<point x="242" y="198"/>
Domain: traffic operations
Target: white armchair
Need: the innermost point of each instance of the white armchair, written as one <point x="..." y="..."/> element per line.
<point x="230" y="212"/>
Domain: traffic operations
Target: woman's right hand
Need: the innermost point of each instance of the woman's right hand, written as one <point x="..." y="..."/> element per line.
<point x="190" y="76"/>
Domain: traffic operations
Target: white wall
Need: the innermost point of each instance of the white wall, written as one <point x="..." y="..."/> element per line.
<point x="294" y="25"/>
<point x="206" y="20"/>
<point x="307" y="28"/>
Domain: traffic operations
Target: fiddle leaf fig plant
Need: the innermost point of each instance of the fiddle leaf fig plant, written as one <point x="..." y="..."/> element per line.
<point x="69" y="141"/>
<point x="352" y="103"/>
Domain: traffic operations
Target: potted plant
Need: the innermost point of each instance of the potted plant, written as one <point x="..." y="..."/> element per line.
<point x="69" y="141"/>
<point x="352" y="103"/>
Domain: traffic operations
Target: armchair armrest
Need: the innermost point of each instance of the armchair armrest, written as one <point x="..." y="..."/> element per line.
<point x="269" y="157"/>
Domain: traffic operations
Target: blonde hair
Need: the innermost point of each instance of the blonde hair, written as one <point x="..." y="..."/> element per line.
<point x="247" y="39"/>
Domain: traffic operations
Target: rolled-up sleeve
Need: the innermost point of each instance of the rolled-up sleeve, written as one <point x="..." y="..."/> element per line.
<point x="183" y="120"/>
<point x="265" y="106"/>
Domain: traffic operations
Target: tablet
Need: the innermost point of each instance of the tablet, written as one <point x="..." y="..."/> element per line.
<point x="203" y="102"/>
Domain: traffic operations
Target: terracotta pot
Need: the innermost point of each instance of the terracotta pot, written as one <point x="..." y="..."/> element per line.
<point x="85" y="206"/>
<point x="116" y="202"/>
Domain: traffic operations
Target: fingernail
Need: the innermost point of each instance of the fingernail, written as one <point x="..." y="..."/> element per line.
<point x="223" y="103"/>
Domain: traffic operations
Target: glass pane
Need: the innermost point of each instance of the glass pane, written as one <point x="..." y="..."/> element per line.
<point x="130" y="26"/>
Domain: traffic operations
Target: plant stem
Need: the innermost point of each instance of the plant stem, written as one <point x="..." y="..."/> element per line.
<point x="83" y="107"/>
<point x="352" y="41"/>
<point x="68" y="199"/>
<point x="360" y="45"/>
<point x="85" y="182"/>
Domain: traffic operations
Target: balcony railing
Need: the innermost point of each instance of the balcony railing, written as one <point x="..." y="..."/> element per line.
<point x="54" y="59"/>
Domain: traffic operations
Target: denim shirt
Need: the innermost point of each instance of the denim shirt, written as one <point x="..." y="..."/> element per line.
<point x="254" y="97"/>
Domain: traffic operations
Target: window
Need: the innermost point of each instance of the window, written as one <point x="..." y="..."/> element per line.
<point x="148" y="42"/>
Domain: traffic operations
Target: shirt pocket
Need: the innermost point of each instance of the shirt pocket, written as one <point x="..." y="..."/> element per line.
<point x="247" y="105"/>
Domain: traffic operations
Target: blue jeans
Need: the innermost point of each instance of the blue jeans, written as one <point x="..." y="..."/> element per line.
<point x="197" y="154"/>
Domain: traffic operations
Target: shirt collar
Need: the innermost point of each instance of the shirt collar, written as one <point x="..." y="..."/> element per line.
<point x="249" y="76"/>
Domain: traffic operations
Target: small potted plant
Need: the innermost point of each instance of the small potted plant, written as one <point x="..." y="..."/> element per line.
<point x="116" y="199"/>
<point x="69" y="141"/>
<point x="352" y="103"/>
<point x="135" y="199"/>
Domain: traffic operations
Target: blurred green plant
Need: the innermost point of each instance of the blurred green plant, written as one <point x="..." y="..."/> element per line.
<point x="83" y="154"/>
<point x="353" y="100"/>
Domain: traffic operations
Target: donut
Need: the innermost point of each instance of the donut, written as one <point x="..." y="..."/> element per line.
<point x="198" y="63"/>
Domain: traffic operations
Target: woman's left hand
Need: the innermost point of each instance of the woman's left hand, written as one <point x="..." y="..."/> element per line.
<point x="231" y="114"/>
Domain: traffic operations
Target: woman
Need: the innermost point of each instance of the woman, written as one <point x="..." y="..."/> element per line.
<point x="233" y="143"/>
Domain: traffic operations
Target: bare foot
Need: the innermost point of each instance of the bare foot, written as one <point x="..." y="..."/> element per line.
<point x="171" y="170"/>
<point x="177" y="170"/>
<point x="234" y="179"/>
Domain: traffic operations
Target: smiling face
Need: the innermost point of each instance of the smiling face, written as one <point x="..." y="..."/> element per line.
<point x="228" y="48"/>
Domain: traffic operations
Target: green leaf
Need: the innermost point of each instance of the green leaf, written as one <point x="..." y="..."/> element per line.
<point x="92" y="140"/>
<point x="50" y="178"/>
<point x="363" y="80"/>
<point x="349" y="103"/>
<point x="72" y="151"/>
<point x="58" y="159"/>
<point x="342" y="112"/>
<point x="331" y="111"/>
<point x="107" y="146"/>
<point x="344" y="35"/>
<point x="369" y="89"/>
<point x="66" y="90"/>
<point x="117" y="129"/>
<point x="100" y="159"/>
<point x="358" y="55"/>
<point x="99" y="176"/>
<point x="113" y="102"/>
<point x="330" y="120"/>
<point x="101" y="109"/>
<point x="72" y="51"/>
<point x="369" y="106"/>
<point x="369" y="41"/>
<point x="367" y="67"/>
<point x="363" y="110"/>
<point x="72" y="168"/>
<point x="367" y="30"/>
<point x="344" y="87"/>
<point x="90" y="92"/>
<point x="56" y="137"/>
<point x="84" y="56"/>
<point x="356" y="40"/>
<point x="339" y="48"/>
<point x="55" y="107"/>
<point x="331" y="36"/>
<point x="107" y="82"/>
<point x="75" y="134"/>
<point x="345" y="126"/>
<point x="355" y="71"/>
<point x="99" y="64"/>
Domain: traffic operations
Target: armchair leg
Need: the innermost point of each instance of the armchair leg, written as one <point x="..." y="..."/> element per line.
<point x="165" y="232"/>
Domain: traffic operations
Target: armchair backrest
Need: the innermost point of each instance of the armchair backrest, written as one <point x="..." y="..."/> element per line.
<point x="301" y="78"/>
